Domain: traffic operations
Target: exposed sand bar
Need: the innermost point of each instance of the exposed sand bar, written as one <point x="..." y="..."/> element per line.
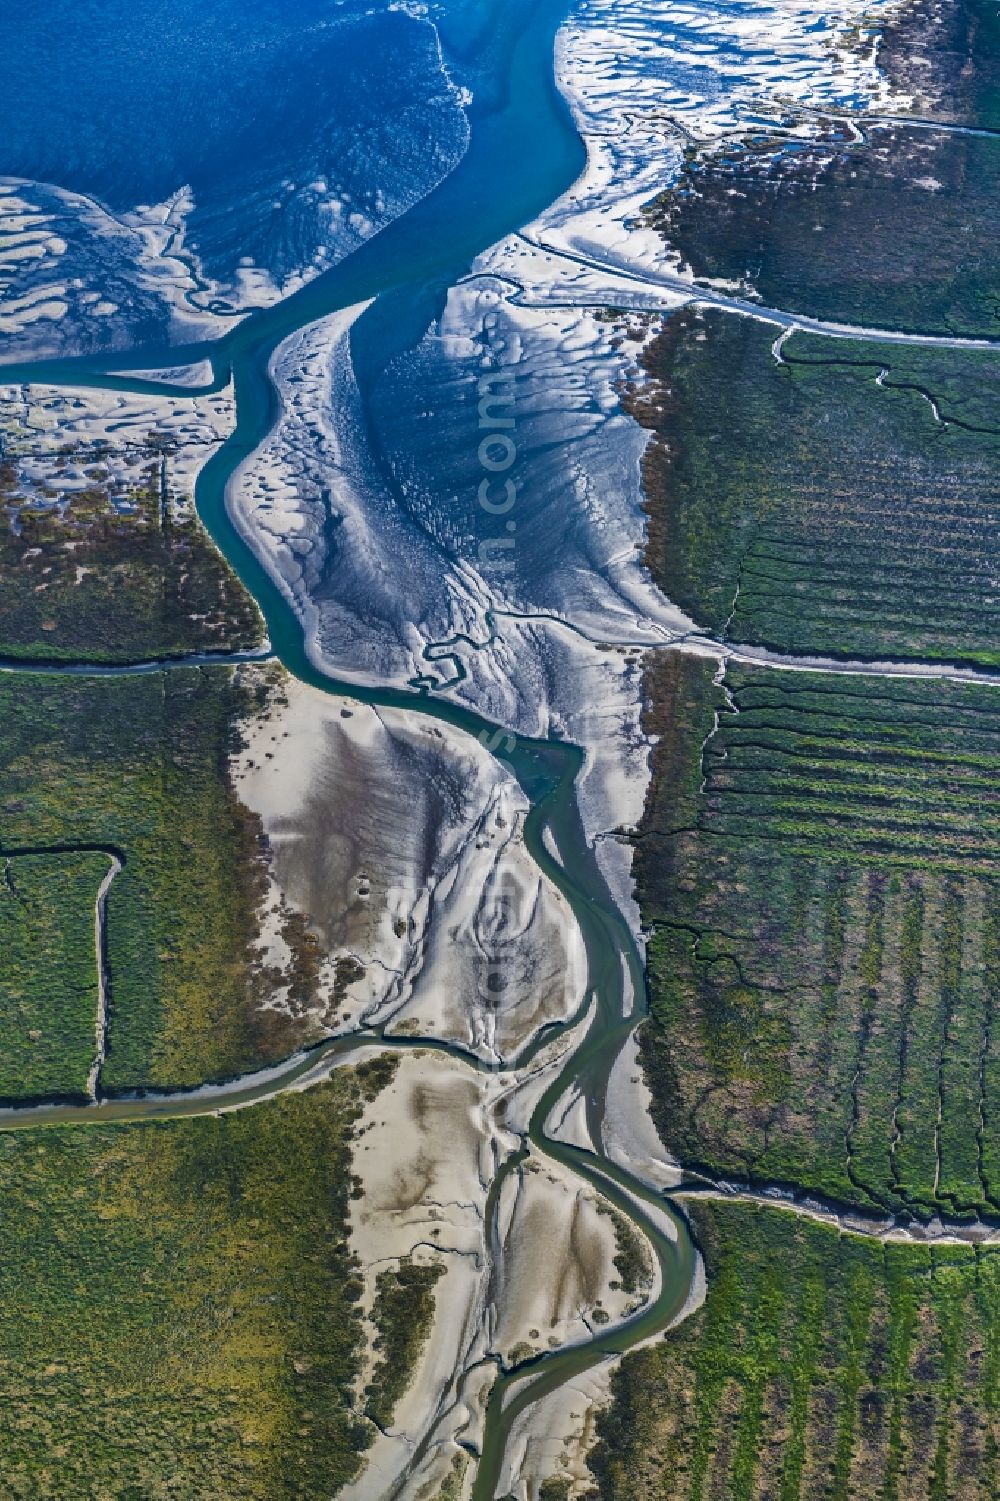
<point x="400" y="841"/>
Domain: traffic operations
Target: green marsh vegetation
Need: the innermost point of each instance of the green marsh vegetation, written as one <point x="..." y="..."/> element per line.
<point x="180" y="1305"/>
<point x="820" y="505"/>
<point x="140" y="764"/>
<point x="104" y="576"/>
<point x="48" y="972"/>
<point x="403" y="1314"/>
<point x="822" y="1366"/>
<point x="892" y="230"/>
<point x="631" y="1259"/>
<point x="896" y="231"/>
<point x="819" y="863"/>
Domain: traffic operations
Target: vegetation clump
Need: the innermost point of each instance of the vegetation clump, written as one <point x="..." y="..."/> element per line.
<point x="631" y="1259"/>
<point x="403" y="1314"/>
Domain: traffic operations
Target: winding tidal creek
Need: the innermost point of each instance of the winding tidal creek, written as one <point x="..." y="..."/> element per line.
<point x="523" y="153"/>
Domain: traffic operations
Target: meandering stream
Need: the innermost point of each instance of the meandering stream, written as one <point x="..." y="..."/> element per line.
<point x="523" y="152"/>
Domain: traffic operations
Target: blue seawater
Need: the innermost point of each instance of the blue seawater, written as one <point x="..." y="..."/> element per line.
<point x="269" y="114"/>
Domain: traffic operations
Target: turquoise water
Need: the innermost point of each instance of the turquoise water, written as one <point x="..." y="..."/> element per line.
<point x="523" y="152"/>
<point x="293" y="127"/>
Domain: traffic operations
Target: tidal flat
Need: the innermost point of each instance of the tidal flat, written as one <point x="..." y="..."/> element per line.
<point x="815" y="864"/>
<point x="399" y="845"/>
